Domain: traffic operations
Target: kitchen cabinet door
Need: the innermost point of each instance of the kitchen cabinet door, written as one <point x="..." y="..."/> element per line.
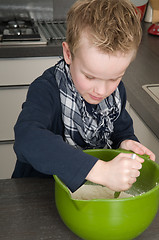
<point x="19" y="71"/>
<point x="143" y="132"/>
<point x="11" y="99"/>
<point x="7" y="160"/>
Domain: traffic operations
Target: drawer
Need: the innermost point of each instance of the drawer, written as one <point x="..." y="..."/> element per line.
<point x="23" y="70"/>
<point x="11" y="99"/>
<point x="7" y="160"/>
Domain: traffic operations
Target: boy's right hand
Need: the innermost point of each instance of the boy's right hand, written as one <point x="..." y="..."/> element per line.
<point x="118" y="174"/>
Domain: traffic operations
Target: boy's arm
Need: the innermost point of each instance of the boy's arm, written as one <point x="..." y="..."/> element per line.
<point x="39" y="136"/>
<point x="118" y="174"/>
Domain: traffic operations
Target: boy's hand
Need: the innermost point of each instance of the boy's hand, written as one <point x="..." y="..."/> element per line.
<point x="137" y="148"/>
<point x="118" y="174"/>
<point x="123" y="171"/>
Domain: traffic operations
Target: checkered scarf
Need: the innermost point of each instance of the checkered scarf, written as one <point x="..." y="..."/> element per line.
<point x="96" y="128"/>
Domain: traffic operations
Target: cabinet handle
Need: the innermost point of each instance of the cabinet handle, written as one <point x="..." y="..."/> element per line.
<point x="4" y="87"/>
<point x="6" y="142"/>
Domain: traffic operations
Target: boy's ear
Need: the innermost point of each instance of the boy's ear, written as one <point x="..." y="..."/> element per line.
<point x="66" y="53"/>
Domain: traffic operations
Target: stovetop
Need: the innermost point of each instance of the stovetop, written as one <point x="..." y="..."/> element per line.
<point x="22" y="29"/>
<point x="15" y="29"/>
<point x="19" y="29"/>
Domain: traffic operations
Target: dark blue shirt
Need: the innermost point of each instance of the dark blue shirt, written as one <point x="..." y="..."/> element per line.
<point x="39" y="135"/>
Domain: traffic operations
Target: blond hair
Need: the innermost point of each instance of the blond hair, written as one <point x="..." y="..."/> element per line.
<point x="112" y="25"/>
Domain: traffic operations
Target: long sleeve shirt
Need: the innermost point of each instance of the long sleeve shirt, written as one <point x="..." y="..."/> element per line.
<point x="39" y="136"/>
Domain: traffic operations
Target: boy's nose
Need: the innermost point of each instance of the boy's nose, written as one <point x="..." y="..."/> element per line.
<point x="100" y="89"/>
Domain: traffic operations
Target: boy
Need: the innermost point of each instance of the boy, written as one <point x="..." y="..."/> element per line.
<point x="80" y="102"/>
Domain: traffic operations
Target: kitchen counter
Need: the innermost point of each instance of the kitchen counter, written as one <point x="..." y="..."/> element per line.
<point x="51" y="49"/>
<point x="28" y="212"/>
<point x="144" y="70"/>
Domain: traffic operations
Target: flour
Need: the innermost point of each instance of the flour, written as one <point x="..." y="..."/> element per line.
<point x="88" y="192"/>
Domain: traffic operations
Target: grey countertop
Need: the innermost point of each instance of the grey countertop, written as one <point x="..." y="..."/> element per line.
<point x="28" y="212"/>
<point x="144" y="70"/>
<point x="51" y="49"/>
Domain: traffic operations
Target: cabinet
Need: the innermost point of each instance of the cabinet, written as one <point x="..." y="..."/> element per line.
<point x="143" y="132"/>
<point x="15" y="78"/>
<point x="20" y="71"/>
<point x="7" y="159"/>
<point x="11" y="99"/>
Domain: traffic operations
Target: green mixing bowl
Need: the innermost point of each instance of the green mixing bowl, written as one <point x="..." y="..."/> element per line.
<point x="110" y="219"/>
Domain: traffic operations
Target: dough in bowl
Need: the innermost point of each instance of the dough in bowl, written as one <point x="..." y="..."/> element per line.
<point x="88" y="192"/>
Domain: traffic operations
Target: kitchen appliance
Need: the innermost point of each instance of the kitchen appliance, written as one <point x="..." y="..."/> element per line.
<point x="141" y="5"/>
<point x="21" y="29"/>
<point x="121" y="219"/>
<point x="154" y="29"/>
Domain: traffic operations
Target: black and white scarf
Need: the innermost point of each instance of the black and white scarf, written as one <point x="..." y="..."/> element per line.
<point x="96" y="128"/>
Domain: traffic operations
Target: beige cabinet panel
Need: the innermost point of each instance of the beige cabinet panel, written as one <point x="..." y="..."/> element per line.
<point x="144" y="134"/>
<point x="14" y="74"/>
<point x="7" y="160"/>
<point x="11" y="99"/>
<point x="23" y="70"/>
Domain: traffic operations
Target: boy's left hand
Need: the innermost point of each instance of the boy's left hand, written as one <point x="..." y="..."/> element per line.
<point x="137" y="148"/>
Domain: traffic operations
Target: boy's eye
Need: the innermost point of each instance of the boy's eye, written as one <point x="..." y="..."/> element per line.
<point x="88" y="77"/>
<point x="117" y="79"/>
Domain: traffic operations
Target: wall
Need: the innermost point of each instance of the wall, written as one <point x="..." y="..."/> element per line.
<point x="38" y="9"/>
<point x="61" y="12"/>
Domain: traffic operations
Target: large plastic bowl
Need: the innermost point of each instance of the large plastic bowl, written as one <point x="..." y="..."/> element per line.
<point x="110" y="219"/>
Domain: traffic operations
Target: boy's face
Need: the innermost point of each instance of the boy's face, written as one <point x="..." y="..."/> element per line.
<point x="96" y="75"/>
